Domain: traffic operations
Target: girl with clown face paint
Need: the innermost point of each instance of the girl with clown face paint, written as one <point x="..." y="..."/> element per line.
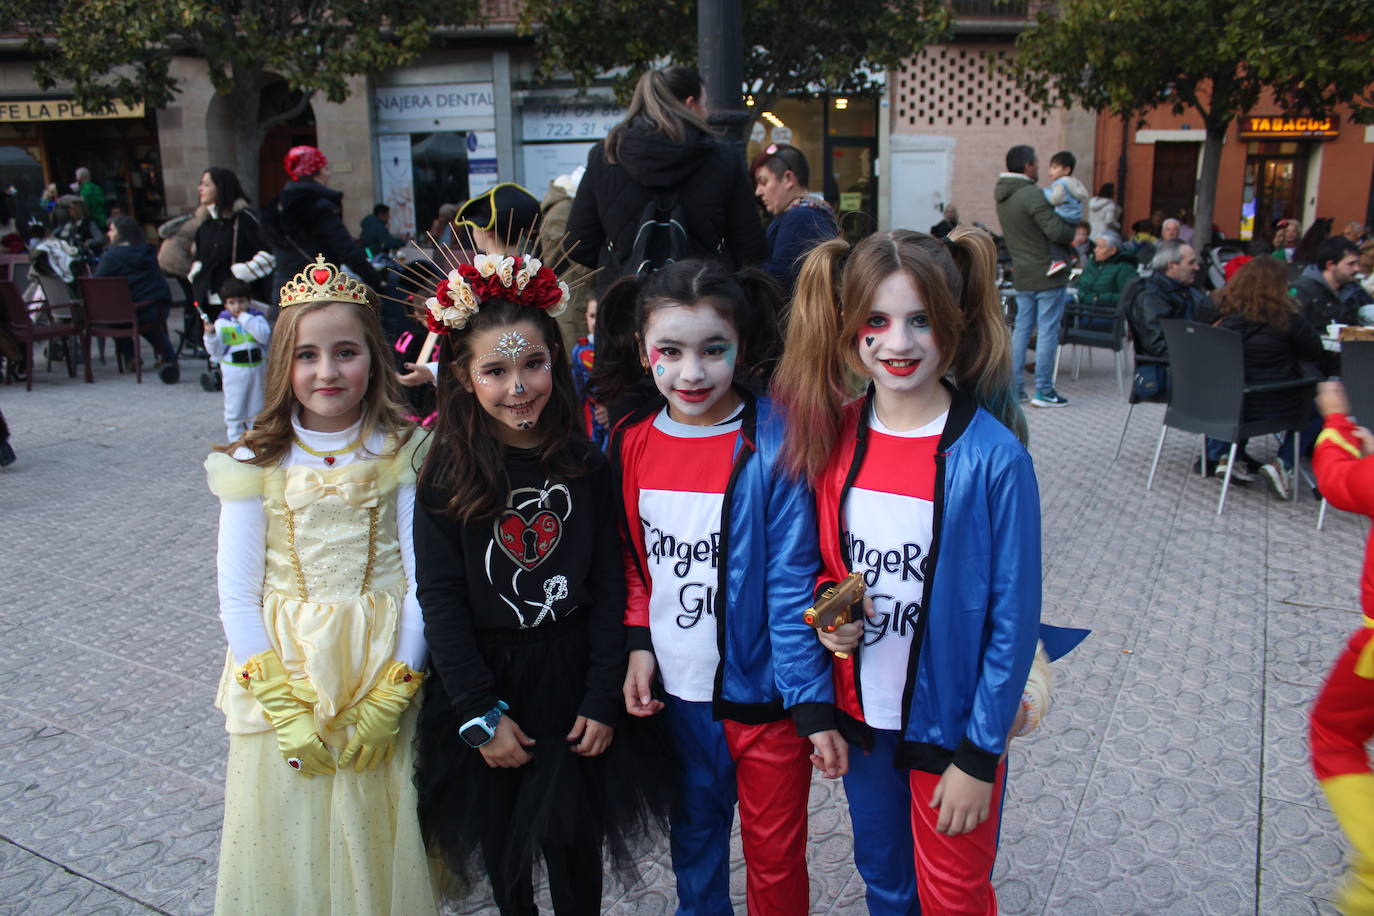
<point x="720" y="559"/>
<point x="923" y="486"/>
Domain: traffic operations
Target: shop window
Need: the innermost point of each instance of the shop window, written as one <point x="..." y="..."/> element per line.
<point x="21" y="170"/>
<point x="123" y="157"/>
<point x="439" y="165"/>
<point x="838" y="136"/>
<point x="1273" y="191"/>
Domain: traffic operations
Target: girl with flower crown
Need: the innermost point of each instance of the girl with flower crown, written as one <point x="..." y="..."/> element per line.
<point x="326" y="642"/>
<point x="522" y="749"/>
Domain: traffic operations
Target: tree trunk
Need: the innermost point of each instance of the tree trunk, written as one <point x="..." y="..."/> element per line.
<point x="1121" y="169"/>
<point x="1207" y="182"/>
<point x="245" y="103"/>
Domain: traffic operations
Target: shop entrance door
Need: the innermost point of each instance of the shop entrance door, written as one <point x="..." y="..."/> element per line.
<point x="1274" y="184"/>
<point x="850" y="184"/>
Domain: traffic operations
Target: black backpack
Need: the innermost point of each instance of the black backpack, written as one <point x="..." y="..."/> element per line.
<point x="660" y="239"/>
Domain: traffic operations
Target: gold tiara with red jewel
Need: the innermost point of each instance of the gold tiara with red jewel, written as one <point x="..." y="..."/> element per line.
<point x="323" y="282"/>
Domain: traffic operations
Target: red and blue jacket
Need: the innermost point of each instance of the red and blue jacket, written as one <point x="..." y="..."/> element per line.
<point x="975" y="638"/>
<point x="771" y="664"/>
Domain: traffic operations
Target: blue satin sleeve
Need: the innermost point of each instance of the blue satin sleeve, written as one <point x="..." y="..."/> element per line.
<point x="801" y="665"/>
<point x="1013" y="619"/>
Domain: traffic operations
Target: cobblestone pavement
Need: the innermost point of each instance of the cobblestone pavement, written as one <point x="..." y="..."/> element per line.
<point x="1170" y="777"/>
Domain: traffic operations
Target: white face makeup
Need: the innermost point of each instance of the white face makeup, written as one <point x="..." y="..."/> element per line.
<point x="691" y="352"/>
<point x="512" y="377"/>
<point x="897" y="344"/>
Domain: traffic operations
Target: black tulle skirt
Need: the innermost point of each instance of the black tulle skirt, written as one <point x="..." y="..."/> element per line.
<point x="617" y="802"/>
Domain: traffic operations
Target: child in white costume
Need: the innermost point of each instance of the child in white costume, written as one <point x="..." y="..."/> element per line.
<point x="238" y="341"/>
<point x="326" y="641"/>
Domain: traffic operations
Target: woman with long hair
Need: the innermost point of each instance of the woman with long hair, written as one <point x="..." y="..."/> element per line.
<point x="229" y="241"/>
<point x="1277" y="339"/>
<point x="326" y="645"/>
<point x="664" y="162"/>
<point x="928" y="467"/>
<point x="523" y="748"/>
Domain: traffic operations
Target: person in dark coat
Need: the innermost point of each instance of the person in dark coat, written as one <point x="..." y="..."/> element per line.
<point x="229" y="242"/>
<point x="1323" y="288"/>
<point x="376" y="234"/>
<point x="946" y="225"/>
<point x="1277" y="340"/>
<point x="665" y="151"/>
<point x="1167" y="293"/>
<point x="800" y="220"/>
<point x="306" y="219"/>
<point x="77" y="229"/>
<point x="130" y="256"/>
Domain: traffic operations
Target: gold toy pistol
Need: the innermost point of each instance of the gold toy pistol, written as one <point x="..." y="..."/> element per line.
<point x="836" y="605"/>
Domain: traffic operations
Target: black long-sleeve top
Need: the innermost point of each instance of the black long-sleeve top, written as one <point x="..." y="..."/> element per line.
<point x="554" y="552"/>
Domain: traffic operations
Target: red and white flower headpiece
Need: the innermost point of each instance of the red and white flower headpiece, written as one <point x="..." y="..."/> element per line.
<point x="524" y="280"/>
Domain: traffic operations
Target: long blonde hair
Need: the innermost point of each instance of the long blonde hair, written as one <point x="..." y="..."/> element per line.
<point x="834" y="296"/>
<point x="661" y="98"/>
<point x="270" y="437"/>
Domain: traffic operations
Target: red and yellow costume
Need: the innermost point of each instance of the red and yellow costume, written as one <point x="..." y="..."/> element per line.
<point x="1343" y="717"/>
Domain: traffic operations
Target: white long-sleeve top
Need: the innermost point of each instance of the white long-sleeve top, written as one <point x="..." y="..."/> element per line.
<point x="243" y="551"/>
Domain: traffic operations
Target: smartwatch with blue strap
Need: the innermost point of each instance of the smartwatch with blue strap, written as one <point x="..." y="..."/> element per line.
<point x="479" y="730"/>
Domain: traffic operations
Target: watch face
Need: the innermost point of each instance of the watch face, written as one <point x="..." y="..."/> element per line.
<point x="475" y="735"/>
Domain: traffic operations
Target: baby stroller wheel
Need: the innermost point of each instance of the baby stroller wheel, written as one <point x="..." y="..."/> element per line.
<point x="210" y="380"/>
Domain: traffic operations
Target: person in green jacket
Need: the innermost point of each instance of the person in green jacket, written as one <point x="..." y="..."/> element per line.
<point x="1106" y="274"/>
<point x="1104" y="279"/>
<point x="92" y="194"/>
<point x="1029" y="225"/>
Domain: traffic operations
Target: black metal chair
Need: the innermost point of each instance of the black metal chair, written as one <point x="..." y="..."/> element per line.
<point x="1133" y="399"/>
<point x="1357" y="374"/>
<point x="1207" y="395"/>
<point x="1098" y="326"/>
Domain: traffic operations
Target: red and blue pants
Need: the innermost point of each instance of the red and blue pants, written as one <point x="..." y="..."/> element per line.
<point x="896" y="846"/>
<point x="767" y="768"/>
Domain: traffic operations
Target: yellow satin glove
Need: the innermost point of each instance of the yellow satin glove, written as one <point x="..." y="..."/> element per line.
<point x="376" y="718"/>
<point x="289" y="706"/>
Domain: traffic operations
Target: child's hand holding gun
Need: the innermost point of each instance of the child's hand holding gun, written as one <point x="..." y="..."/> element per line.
<point x="832" y="615"/>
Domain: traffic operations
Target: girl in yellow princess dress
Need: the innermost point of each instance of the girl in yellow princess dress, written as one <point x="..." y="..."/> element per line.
<point x="326" y="641"/>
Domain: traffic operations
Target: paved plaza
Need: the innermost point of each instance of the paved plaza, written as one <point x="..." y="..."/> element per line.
<point x="1169" y="778"/>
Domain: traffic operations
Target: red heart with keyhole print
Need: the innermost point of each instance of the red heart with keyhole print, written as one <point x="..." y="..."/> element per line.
<point x="528" y="541"/>
<point x="320" y="275"/>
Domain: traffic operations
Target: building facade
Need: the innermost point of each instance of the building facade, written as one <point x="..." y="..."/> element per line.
<point x="952" y="113"/>
<point x="1275" y="164"/>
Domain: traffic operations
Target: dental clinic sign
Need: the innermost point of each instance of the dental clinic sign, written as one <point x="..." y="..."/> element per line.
<point x="436" y="102"/>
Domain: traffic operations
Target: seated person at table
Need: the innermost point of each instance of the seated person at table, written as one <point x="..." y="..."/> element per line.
<point x="1105" y="275"/>
<point x="1167" y="293"/>
<point x="1327" y="291"/>
<point x="1277" y="339"/>
<point x="130" y="256"/>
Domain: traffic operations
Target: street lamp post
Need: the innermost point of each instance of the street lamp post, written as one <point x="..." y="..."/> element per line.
<point x="720" y="50"/>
